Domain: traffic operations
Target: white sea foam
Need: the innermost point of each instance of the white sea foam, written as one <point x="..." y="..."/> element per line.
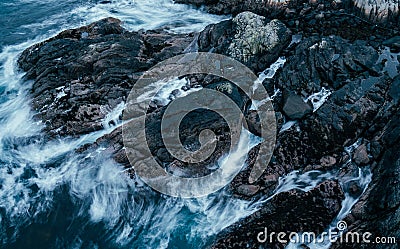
<point x="153" y="14"/>
<point x="164" y="91"/>
<point x="391" y="62"/>
<point x="363" y="179"/>
<point x="319" y="98"/>
<point x="270" y="72"/>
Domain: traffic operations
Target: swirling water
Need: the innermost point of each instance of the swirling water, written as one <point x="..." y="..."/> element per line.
<point x="51" y="197"/>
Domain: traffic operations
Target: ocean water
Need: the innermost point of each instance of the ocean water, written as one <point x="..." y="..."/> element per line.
<point x="51" y="197"/>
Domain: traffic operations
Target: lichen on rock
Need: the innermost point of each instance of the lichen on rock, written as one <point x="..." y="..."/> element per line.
<point x="253" y="36"/>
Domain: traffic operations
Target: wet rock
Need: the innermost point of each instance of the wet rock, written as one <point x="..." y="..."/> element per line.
<point x="254" y="37"/>
<point x="394" y="91"/>
<point x="340" y="16"/>
<point x="393" y="42"/>
<point x="78" y="81"/>
<point x="360" y="156"/>
<point x="81" y="74"/>
<point x="329" y="61"/>
<point x="377" y="211"/>
<point x="294" y="107"/>
<point x="248" y="38"/>
<point x="327" y="161"/>
<point x="354" y="189"/>
<point x="253" y="122"/>
<point x="237" y="6"/>
<point x="164" y="156"/>
<point x="248" y="190"/>
<point x="289" y="211"/>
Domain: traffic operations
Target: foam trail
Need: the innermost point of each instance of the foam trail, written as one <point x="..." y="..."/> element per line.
<point x="150" y="14"/>
<point x="39" y="176"/>
<point x="319" y="98"/>
<point x="286" y="126"/>
<point x="113" y="117"/>
<point x="164" y="91"/>
<point x="363" y="179"/>
<point x="270" y="72"/>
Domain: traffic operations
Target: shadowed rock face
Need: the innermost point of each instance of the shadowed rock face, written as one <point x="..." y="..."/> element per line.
<point x="378" y="211"/>
<point x="294" y="106"/>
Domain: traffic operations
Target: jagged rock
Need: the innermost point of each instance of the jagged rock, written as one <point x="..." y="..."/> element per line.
<point x="237" y="6"/>
<point x="360" y="156"/>
<point x="378" y="210"/>
<point x="327" y="161"/>
<point x="394" y="91"/>
<point x="79" y="78"/>
<point x="378" y="10"/>
<point x="393" y="42"/>
<point x="294" y="107"/>
<point x="82" y="73"/>
<point x="341" y="17"/>
<point x="289" y="211"/>
<point x="248" y="38"/>
<point x="322" y="62"/>
<point x="253" y="38"/>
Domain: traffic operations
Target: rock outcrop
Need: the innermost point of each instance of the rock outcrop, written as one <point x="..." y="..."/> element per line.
<point x="248" y="38"/>
<point x="287" y="212"/>
<point x="82" y="74"/>
<point x="373" y="10"/>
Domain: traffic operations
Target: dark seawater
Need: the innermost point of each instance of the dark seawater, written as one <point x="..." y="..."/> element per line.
<point x="22" y="20"/>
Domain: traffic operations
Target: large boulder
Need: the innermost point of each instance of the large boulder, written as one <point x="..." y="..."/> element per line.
<point x="249" y="38"/>
<point x="257" y="43"/>
<point x="294" y="106"/>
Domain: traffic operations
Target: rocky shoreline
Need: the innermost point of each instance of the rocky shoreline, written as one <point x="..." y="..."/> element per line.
<point x="336" y="88"/>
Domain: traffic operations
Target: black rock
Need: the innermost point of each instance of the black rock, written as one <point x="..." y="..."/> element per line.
<point x="289" y="211"/>
<point x="294" y="107"/>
